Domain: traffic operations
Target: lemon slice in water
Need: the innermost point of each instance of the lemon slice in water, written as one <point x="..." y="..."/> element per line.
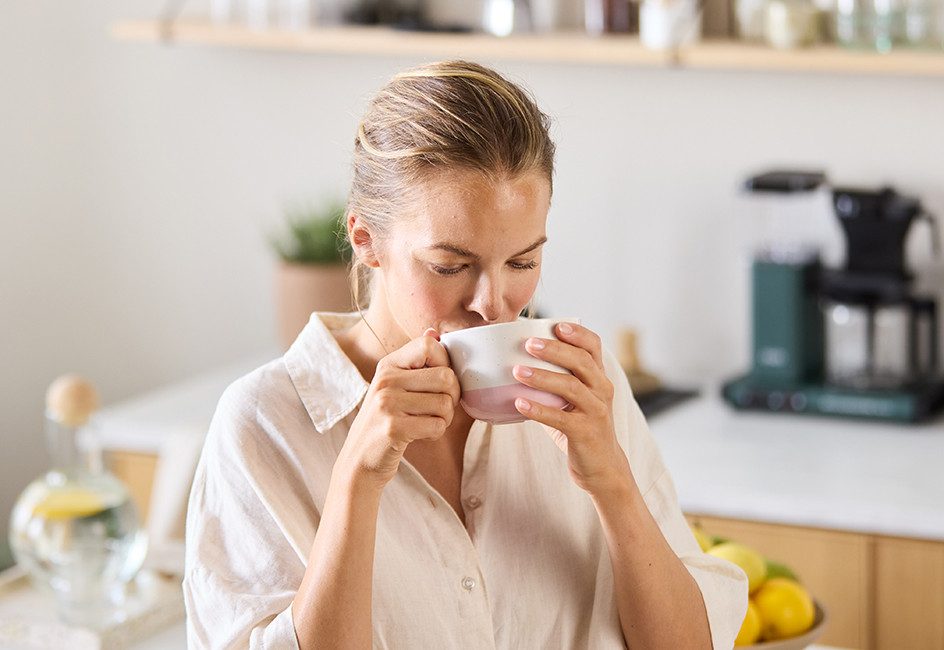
<point x="70" y="503"/>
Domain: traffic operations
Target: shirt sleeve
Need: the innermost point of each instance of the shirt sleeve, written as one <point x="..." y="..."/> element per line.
<point x="241" y="573"/>
<point x="723" y="585"/>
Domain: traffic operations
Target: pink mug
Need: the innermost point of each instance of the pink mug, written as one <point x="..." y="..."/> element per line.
<point x="483" y="358"/>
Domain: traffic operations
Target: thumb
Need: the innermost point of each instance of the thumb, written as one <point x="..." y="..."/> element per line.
<point x="431" y="331"/>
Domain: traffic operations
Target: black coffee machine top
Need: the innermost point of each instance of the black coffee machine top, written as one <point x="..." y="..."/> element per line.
<point x="875" y="225"/>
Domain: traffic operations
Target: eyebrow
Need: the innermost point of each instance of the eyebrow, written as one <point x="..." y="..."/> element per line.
<point x="449" y="248"/>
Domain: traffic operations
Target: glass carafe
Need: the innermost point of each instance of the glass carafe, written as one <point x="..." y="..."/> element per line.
<point x="75" y="529"/>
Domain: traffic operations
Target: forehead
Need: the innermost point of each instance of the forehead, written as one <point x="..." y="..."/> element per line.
<point x="469" y="207"/>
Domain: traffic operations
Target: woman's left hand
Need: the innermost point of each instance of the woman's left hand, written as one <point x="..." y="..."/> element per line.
<point x="584" y="432"/>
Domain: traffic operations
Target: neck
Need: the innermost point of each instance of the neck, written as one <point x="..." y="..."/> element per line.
<point x="378" y="334"/>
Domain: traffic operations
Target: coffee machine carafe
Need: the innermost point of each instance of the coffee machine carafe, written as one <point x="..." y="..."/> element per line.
<point x="880" y="335"/>
<point x="850" y="341"/>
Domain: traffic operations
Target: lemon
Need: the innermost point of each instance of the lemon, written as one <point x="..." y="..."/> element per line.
<point x="785" y="609"/>
<point x="69" y="503"/>
<point x="704" y="541"/>
<point x="750" y="628"/>
<point x="750" y="561"/>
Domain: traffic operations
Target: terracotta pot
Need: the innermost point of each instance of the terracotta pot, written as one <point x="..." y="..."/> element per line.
<point x="301" y="289"/>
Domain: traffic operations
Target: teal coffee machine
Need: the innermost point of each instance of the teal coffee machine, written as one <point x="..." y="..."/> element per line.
<point x="853" y="341"/>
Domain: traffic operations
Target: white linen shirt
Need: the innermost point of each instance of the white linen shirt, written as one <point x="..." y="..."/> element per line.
<point x="531" y="568"/>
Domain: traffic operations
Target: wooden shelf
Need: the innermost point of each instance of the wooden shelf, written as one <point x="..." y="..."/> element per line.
<point x="576" y="48"/>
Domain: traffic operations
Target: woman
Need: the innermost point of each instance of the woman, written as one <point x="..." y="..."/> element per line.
<point x="344" y="499"/>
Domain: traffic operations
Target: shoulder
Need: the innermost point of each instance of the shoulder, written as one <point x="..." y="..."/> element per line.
<point x="253" y="410"/>
<point x="269" y="382"/>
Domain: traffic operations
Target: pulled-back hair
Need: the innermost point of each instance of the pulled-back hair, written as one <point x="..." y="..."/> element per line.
<point x="441" y="117"/>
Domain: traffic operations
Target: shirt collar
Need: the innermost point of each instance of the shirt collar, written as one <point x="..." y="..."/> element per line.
<point x="327" y="381"/>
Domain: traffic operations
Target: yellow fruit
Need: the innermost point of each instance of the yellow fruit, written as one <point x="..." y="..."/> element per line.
<point x="750" y="628"/>
<point x="752" y="562"/>
<point x="785" y="609"/>
<point x="69" y="503"/>
<point x="704" y="541"/>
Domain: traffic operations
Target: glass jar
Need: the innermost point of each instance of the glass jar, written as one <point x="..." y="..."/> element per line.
<point x="75" y="529"/>
<point x="870" y="24"/>
<point x="922" y="23"/>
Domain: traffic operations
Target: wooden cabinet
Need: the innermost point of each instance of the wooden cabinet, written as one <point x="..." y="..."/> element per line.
<point x="881" y="593"/>
<point x="136" y="470"/>
<point x="909" y="594"/>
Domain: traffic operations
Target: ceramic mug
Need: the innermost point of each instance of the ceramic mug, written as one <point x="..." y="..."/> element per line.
<point x="483" y="359"/>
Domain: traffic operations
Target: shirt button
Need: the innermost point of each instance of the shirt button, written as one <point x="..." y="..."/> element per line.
<point x="468" y="583"/>
<point x="473" y="502"/>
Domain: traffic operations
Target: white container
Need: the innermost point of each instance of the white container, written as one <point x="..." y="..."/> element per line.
<point x="295" y="15"/>
<point x="483" y="359"/>
<point x="749" y="18"/>
<point x="257" y="14"/>
<point x="556" y="15"/>
<point x="504" y="17"/>
<point x="665" y="24"/>
<point x="449" y="14"/>
<point x="790" y="24"/>
<point x="221" y="11"/>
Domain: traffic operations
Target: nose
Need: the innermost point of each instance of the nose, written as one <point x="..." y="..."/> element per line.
<point x="487" y="299"/>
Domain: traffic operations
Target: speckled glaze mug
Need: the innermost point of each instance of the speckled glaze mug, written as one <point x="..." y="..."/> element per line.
<point x="483" y="358"/>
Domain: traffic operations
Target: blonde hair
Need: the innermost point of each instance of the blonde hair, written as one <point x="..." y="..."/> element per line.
<point x="440" y="117"/>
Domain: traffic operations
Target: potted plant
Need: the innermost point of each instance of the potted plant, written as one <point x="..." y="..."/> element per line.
<point x="313" y="267"/>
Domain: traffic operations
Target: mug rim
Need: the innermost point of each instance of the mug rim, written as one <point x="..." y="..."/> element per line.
<point x="519" y="321"/>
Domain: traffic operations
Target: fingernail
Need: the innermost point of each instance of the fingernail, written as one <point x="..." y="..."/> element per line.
<point x="536" y="344"/>
<point x="523" y="404"/>
<point x="524" y="371"/>
<point x="566" y="328"/>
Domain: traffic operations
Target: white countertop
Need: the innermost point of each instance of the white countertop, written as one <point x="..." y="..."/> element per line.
<point x="860" y="476"/>
<point x="142" y="423"/>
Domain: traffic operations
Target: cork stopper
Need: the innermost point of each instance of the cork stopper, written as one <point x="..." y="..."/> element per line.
<point x="640" y="380"/>
<point x="71" y="399"/>
<point x="628" y="350"/>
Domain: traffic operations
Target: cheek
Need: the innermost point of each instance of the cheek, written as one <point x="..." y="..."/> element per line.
<point x="426" y="293"/>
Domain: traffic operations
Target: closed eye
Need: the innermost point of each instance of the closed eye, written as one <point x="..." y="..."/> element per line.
<point x="446" y="270"/>
<point x="453" y="270"/>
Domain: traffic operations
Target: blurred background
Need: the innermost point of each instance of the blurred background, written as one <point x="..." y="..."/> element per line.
<point x="141" y="182"/>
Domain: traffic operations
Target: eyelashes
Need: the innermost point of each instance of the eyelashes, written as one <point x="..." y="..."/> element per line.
<point x="446" y="270"/>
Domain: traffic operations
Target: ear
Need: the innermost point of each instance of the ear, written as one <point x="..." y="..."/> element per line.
<point x="362" y="240"/>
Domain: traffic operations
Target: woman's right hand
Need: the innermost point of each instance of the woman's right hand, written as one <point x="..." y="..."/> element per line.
<point x="413" y="396"/>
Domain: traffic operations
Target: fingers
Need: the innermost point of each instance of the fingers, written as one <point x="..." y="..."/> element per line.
<point x="557" y="383"/>
<point x="429" y="380"/>
<point x="581" y="337"/>
<point x="577" y="360"/>
<point x="423" y="427"/>
<point x="552" y="417"/>
<point x="421" y="352"/>
<point x="438" y="405"/>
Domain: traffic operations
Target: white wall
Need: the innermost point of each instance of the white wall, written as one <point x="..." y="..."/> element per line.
<point x="138" y="182"/>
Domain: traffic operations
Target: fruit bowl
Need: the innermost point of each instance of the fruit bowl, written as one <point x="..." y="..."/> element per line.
<point x="801" y="641"/>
